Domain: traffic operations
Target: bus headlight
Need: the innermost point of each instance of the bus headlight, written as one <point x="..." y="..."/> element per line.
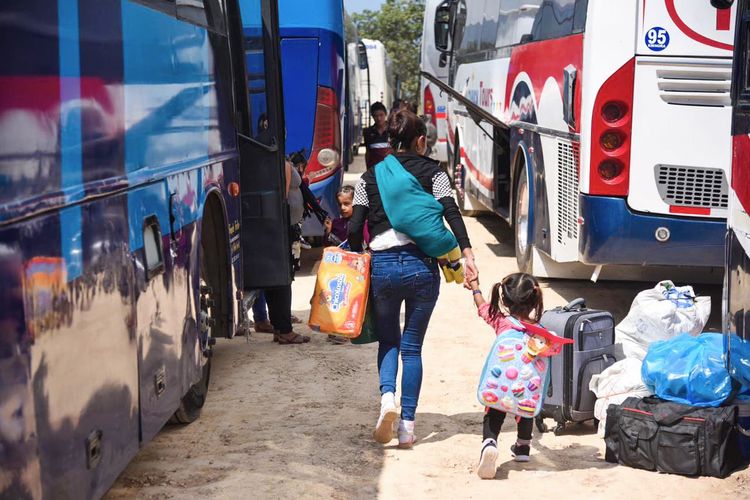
<point x="328" y="157"/>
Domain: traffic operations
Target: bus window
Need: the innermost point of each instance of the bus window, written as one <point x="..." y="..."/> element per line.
<point x="208" y="13"/>
<point x="516" y="20"/>
<point x="579" y="19"/>
<point x="256" y="71"/>
<point x="554" y="20"/>
<point x="489" y="25"/>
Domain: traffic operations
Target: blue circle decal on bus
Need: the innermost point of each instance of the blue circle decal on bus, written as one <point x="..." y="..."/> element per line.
<point x="657" y="39"/>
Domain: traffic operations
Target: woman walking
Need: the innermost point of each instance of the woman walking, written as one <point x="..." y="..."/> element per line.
<point x="402" y="272"/>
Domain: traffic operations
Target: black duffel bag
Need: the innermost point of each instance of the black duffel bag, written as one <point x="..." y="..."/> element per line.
<point x="654" y="434"/>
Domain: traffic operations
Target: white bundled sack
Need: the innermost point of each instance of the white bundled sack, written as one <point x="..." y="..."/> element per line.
<point x="661" y="313"/>
<point x="614" y="385"/>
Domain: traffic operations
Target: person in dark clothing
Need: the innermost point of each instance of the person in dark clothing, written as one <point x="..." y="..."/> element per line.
<point x="279" y="299"/>
<point x="401" y="272"/>
<point x="312" y="206"/>
<point x="376" y="137"/>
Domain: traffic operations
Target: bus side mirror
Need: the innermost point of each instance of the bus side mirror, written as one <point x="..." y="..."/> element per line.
<point x="363" y="64"/>
<point x="722" y="4"/>
<point x="442" y="25"/>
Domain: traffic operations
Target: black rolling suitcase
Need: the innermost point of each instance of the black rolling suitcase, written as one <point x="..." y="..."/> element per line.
<point x="568" y="397"/>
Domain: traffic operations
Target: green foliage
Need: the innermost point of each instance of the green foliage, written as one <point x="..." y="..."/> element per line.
<point x="398" y="24"/>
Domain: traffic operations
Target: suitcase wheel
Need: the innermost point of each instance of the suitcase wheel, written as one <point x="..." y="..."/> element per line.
<point x="559" y="429"/>
<point x="540" y="425"/>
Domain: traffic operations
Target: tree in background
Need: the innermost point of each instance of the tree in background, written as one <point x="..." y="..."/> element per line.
<point x="398" y="24"/>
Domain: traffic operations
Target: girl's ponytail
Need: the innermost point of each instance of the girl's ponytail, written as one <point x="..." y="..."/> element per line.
<point x="495" y="298"/>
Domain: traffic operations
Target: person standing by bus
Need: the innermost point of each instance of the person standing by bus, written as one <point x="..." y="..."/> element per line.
<point x="376" y="136"/>
<point x="401" y="272"/>
<point x="280" y="299"/>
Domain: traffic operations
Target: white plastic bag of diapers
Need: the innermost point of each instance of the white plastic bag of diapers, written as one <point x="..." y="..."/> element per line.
<point x="614" y="385"/>
<point x="661" y="313"/>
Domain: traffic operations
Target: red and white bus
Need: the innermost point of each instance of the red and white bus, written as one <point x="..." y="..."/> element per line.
<point x="434" y="62"/>
<point x="598" y="128"/>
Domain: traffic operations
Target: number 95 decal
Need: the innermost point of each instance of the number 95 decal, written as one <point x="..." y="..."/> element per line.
<point x="657" y="39"/>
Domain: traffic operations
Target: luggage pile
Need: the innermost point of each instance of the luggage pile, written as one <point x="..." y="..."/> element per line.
<point x="670" y="405"/>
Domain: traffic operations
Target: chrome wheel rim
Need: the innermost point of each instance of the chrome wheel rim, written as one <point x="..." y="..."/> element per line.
<point x="522" y="217"/>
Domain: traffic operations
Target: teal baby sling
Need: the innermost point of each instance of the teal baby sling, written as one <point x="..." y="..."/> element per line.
<point x="411" y="210"/>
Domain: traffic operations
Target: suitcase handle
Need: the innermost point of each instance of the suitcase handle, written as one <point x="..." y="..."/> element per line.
<point x="576" y="304"/>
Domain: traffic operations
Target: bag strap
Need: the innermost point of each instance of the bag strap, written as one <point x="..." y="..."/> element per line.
<point x="667" y="413"/>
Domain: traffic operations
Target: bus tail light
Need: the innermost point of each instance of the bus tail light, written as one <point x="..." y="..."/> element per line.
<point x="325" y="158"/>
<point x="429" y="105"/>
<point x="611" y="131"/>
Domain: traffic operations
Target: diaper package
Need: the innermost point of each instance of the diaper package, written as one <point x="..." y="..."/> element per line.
<point x="340" y="299"/>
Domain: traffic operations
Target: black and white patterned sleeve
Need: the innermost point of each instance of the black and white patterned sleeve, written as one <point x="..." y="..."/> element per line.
<point x="441" y="186"/>
<point x="360" y="194"/>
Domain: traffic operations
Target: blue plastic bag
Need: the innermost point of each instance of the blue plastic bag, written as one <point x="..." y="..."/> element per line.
<point x="738" y="351"/>
<point x="688" y="370"/>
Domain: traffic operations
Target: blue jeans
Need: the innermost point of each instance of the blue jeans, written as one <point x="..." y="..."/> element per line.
<point x="401" y="275"/>
<point x="259" y="308"/>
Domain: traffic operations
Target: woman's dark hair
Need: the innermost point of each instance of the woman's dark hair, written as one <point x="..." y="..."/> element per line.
<point x="298" y="157"/>
<point x="403" y="127"/>
<point x="520" y="295"/>
<point x="346" y="189"/>
<point x="377" y="106"/>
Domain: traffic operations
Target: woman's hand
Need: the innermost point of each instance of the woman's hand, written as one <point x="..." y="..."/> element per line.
<point x="472" y="273"/>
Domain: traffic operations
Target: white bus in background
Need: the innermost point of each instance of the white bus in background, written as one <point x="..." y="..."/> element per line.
<point x="377" y="78"/>
<point x="435" y="62"/>
<point x="605" y="149"/>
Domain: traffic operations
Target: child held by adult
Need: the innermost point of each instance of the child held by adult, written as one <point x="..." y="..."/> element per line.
<point x="516" y="305"/>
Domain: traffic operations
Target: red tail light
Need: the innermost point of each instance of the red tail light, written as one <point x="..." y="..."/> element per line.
<point x="325" y="158"/>
<point x="429" y="105"/>
<point x="611" y="134"/>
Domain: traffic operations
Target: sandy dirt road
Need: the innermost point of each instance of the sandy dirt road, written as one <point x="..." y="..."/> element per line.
<point x="296" y="421"/>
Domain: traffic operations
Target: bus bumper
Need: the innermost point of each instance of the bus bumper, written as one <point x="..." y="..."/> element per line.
<point x="613" y="234"/>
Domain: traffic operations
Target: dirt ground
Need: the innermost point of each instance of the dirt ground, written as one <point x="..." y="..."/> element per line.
<point x="296" y="421"/>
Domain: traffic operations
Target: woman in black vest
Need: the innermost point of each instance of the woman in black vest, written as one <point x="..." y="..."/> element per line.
<point x="402" y="273"/>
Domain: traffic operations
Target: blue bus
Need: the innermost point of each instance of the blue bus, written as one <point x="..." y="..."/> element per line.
<point x="134" y="192"/>
<point x="314" y="79"/>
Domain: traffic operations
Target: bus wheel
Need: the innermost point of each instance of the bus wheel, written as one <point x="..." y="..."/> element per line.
<point x="192" y="402"/>
<point x="521" y="223"/>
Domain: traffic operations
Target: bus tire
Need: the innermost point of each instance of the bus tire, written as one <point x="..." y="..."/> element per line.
<point x="458" y="173"/>
<point x="521" y="222"/>
<point x="208" y="321"/>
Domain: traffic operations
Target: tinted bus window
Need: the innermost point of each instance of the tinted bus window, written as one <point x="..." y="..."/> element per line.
<point x="256" y="71"/>
<point x="516" y="21"/>
<point x="488" y="35"/>
<point x="208" y="13"/>
<point x="554" y="20"/>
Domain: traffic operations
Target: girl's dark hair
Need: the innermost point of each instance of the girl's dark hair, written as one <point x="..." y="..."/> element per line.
<point x="403" y="127"/>
<point x="520" y="295"/>
<point x="347" y="189"/>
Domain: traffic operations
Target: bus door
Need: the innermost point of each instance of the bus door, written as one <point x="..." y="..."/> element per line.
<point x="260" y="119"/>
<point x="738" y="238"/>
<point x="681" y="116"/>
